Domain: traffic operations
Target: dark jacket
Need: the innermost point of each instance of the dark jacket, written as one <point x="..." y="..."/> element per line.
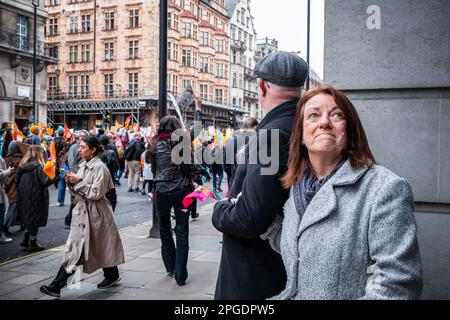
<point x="7" y="140"/>
<point x="111" y="160"/>
<point x="169" y="177"/>
<point x="32" y="195"/>
<point x="134" y="151"/>
<point x="249" y="268"/>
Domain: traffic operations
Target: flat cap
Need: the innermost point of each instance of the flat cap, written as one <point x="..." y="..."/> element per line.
<point x="282" y="68"/>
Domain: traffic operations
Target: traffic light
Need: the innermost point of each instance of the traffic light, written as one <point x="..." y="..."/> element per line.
<point x="231" y="120"/>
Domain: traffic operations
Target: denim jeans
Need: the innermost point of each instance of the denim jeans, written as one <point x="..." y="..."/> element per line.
<point x="61" y="191"/>
<point x="217" y="182"/>
<point x="2" y="216"/>
<point x="175" y="260"/>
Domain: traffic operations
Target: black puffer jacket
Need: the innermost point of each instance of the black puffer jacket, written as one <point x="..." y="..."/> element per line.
<point x="170" y="177"/>
<point x="32" y="195"/>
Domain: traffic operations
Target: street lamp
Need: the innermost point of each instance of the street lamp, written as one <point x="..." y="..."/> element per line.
<point x="308" y="42"/>
<point x="35" y="107"/>
<point x="162" y="101"/>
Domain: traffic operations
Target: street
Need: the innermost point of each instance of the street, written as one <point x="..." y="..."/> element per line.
<point x="132" y="209"/>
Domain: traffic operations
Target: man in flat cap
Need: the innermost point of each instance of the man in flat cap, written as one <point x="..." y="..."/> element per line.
<point x="249" y="268"/>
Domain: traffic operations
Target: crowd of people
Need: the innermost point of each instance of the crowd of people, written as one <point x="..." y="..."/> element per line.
<point x="330" y="223"/>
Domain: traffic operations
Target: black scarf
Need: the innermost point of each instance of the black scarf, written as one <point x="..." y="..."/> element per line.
<point x="306" y="188"/>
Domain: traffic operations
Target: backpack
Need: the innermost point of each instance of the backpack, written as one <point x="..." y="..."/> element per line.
<point x="129" y="152"/>
<point x="110" y="160"/>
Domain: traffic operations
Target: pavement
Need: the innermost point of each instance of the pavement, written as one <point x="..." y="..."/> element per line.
<point x="143" y="274"/>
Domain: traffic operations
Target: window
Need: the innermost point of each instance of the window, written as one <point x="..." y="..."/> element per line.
<point x="234" y="101"/>
<point x="234" y="57"/>
<point x="238" y="15"/>
<point x="53" y="3"/>
<point x="248" y="22"/>
<point x="73" y="54"/>
<point x="134" y="18"/>
<point x="216" y="22"/>
<point x="219" y="70"/>
<point x="172" y="51"/>
<point x="233" y="32"/>
<point x="85" y="52"/>
<point x="220" y="47"/>
<point x="199" y="13"/>
<point x="73" y="27"/>
<point x="172" y="21"/>
<point x="53" y="26"/>
<point x="133" y="87"/>
<point x="109" y="21"/>
<point x="22" y="32"/>
<point x="84" y="86"/>
<point x="175" y="84"/>
<point x="204" y="91"/>
<point x="86" y="23"/>
<point x="186" y="58"/>
<point x="109" y="51"/>
<point x="184" y="84"/>
<point x="134" y="49"/>
<point x="250" y="42"/>
<point x="53" y="51"/>
<point x="109" y="85"/>
<point x="169" y="53"/>
<point x="204" y="64"/>
<point x="234" y="80"/>
<point x="204" y="38"/>
<point x="219" y="95"/>
<point x="189" y="30"/>
<point x="73" y="86"/>
<point x="52" y="85"/>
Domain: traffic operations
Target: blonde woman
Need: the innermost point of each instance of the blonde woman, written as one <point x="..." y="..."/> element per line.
<point x="32" y="196"/>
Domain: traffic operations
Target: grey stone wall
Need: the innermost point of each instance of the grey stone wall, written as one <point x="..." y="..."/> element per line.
<point x="398" y="77"/>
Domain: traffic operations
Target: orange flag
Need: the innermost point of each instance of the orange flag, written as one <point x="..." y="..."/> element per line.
<point x="50" y="169"/>
<point x="17" y="133"/>
<point x="53" y="151"/>
<point x="127" y="123"/>
<point x="67" y="133"/>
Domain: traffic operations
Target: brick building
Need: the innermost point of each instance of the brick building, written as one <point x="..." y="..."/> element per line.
<point x="109" y="58"/>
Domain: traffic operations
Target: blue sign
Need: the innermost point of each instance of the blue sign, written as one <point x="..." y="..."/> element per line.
<point x="31" y="119"/>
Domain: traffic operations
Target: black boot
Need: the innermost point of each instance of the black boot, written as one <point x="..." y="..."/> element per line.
<point x="51" y="290"/>
<point x="35" y="246"/>
<point x="25" y="239"/>
<point x="60" y="281"/>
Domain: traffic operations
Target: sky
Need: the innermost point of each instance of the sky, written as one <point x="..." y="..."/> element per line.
<point x="286" y="21"/>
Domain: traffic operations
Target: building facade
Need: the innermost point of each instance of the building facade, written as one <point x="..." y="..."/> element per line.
<point x="16" y="62"/>
<point x="392" y="59"/>
<point x="109" y="59"/>
<point x="243" y="85"/>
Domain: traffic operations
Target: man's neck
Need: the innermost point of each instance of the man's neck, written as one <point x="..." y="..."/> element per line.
<point x="275" y="103"/>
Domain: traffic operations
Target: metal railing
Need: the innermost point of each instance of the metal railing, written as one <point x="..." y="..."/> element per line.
<point x="57" y="95"/>
<point x="26" y="45"/>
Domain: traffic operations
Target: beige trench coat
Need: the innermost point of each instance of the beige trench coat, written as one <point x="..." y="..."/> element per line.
<point x="93" y="228"/>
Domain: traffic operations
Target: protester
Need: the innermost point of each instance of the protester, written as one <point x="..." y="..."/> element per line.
<point x="33" y="138"/>
<point x="249" y="267"/>
<point x="148" y="174"/>
<point x="73" y="161"/>
<point x="5" y="172"/>
<point x="32" y="196"/>
<point x="61" y="146"/>
<point x="94" y="241"/>
<point x="120" y="151"/>
<point x="349" y="230"/>
<point x="173" y="183"/>
<point x="5" y="139"/>
<point x="16" y="151"/>
<point x="111" y="161"/>
<point x="133" y="154"/>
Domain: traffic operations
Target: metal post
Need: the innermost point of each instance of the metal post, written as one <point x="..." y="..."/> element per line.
<point x="35" y="107"/>
<point x="308" y="42"/>
<point x="154" y="231"/>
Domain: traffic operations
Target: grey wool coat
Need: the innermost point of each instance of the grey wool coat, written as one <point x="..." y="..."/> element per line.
<point x="94" y="239"/>
<point x="356" y="240"/>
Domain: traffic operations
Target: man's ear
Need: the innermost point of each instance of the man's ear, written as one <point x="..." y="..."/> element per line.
<point x="262" y="87"/>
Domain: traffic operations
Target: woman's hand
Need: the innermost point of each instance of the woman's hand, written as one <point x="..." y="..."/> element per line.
<point x="72" y="178"/>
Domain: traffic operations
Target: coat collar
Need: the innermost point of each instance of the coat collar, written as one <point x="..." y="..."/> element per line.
<point x="324" y="202"/>
<point x="286" y="109"/>
<point x="91" y="164"/>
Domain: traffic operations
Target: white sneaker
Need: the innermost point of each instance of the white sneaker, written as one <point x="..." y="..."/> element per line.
<point x="4" y="239"/>
<point x="59" y="204"/>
